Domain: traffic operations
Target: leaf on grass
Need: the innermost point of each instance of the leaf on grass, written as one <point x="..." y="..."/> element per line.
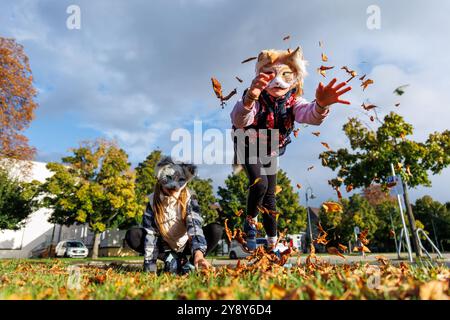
<point x="366" y="83"/>
<point x="331" y="207"/>
<point x="249" y="59"/>
<point x="316" y="133"/>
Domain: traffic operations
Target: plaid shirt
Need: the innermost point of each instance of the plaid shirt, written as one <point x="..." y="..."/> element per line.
<point x="193" y="226"/>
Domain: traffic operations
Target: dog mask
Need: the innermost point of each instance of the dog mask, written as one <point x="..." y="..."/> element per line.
<point x="174" y="175"/>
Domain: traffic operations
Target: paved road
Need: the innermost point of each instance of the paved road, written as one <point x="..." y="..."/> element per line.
<point x="338" y="260"/>
<point x="137" y="264"/>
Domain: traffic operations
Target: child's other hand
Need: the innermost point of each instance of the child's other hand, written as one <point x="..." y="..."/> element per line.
<point x="328" y="95"/>
<point x="200" y="261"/>
<point x="260" y="82"/>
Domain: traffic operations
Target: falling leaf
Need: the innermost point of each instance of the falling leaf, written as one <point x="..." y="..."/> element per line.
<point x="366" y="83"/>
<point x="239" y="212"/>
<point x="320" y="44"/>
<point x="397" y="104"/>
<point x="372" y="118"/>
<point x="217" y="87"/>
<point x="382" y="260"/>
<point x="239" y="79"/>
<point x="322" y="70"/>
<point x="352" y="73"/>
<point x="310" y="168"/>
<point x="257" y="180"/>
<point x="324" y="57"/>
<point x="331" y="207"/>
<point x="316" y="133"/>
<point x="296" y="131"/>
<point x="408" y="171"/>
<point x="400" y="90"/>
<point x="228" y="231"/>
<point x="368" y="107"/>
<point x="349" y="188"/>
<point x="338" y="191"/>
<point x="342" y="247"/>
<point x="335" y="251"/>
<point x="259" y="226"/>
<point x="362" y="78"/>
<point x="286" y="38"/>
<point x="299" y="186"/>
<point x="391" y="233"/>
<point x="326" y="146"/>
<point x="362" y="237"/>
<point x="228" y="96"/>
<point x="249" y="59"/>
<point x="278" y="189"/>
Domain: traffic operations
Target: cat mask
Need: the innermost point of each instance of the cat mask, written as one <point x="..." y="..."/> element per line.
<point x="289" y="67"/>
<point x="174" y="175"/>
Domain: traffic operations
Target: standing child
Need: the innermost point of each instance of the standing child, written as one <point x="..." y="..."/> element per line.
<point x="274" y="102"/>
<point x="172" y="225"/>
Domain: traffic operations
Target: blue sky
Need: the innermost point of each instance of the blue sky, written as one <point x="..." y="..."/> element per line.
<point x="136" y="70"/>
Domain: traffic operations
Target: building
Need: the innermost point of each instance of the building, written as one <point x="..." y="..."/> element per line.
<point x="38" y="232"/>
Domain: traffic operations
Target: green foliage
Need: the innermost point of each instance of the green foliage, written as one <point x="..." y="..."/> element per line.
<point x="95" y="185"/>
<point x="382" y="236"/>
<point x="233" y="197"/>
<point x="357" y="211"/>
<point x="435" y="217"/>
<point x="373" y="152"/>
<point x="145" y="174"/>
<point x="17" y="201"/>
<point x="205" y="195"/>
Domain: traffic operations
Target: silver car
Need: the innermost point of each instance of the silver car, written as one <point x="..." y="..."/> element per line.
<point x="71" y="249"/>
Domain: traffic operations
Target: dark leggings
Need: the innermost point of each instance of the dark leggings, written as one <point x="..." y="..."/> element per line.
<point x="262" y="193"/>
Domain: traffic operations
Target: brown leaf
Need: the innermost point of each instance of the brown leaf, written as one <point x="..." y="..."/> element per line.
<point x="310" y="168"/>
<point x="324" y="57"/>
<point x="299" y="186"/>
<point x="326" y="146"/>
<point x="368" y="107"/>
<point x="349" y="188"/>
<point x="228" y="96"/>
<point x="434" y="290"/>
<point x="249" y="59"/>
<point x="322" y="70"/>
<point x="217" y="87"/>
<point x="286" y="38"/>
<point x="317" y="133"/>
<point x="331" y="207"/>
<point x="239" y="79"/>
<point x="335" y="251"/>
<point x="228" y="231"/>
<point x="257" y="180"/>
<point x="366" y="83"/>
<point x="239" y="212"/>
<point x="296" y="131"/>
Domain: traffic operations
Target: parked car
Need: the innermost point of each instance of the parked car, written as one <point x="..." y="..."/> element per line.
<point x="71" y="249"/>
<point x="237" y="252"/>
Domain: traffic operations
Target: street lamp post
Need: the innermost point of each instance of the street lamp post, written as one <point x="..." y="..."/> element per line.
<point x="312" y="196"/>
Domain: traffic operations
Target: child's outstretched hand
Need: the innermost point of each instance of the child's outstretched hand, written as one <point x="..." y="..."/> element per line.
<point x="200" y="261"/>
<point x="259" y="83"/>
<point x="328" y="95"/>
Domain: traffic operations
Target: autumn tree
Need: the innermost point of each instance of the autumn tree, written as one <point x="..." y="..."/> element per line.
<point x="204" y="192"/>
<point x="145" y="174"/>
<point x="233" y="197"/>
<point x="17" y="103"/>
<point x="357" y="212"/>
<point x="95" y="186"/>
<point x="436" y="219"/>
<point x="373" y="151"/>
<point x="18" y="200"/>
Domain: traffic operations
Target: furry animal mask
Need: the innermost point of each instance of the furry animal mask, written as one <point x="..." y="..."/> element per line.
<point x="290" y="67"/>
<point x="174" y="175"/>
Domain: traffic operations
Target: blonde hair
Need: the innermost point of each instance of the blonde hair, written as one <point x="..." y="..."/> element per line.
<point x="160" y="210"/>
<point x="294" y="59"/>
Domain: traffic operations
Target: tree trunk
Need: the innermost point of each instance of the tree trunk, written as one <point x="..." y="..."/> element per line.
<point x="96" y="244"/>
<point x="412" y="221"/>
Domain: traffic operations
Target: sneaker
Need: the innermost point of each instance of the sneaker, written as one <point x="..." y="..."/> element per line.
<point x="150" y="267"/>
<point x="171" y="263"/>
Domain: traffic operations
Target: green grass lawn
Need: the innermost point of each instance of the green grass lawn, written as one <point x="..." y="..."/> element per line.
<point x="53" y="279"/>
